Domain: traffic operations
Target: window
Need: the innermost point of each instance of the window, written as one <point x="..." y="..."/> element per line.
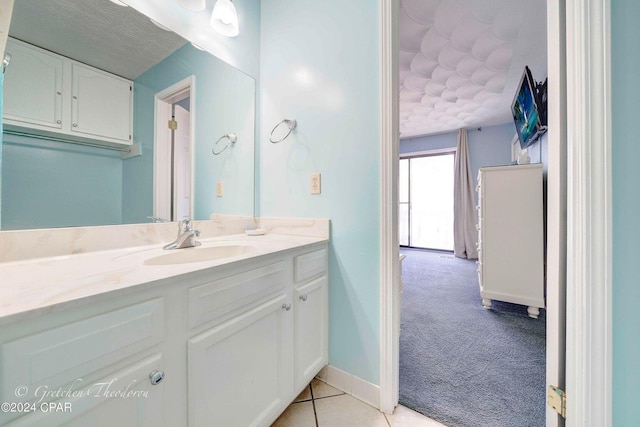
<point x="426" y="201"/>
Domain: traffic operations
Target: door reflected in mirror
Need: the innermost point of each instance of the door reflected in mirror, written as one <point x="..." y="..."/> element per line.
<point x="51" y="182"/>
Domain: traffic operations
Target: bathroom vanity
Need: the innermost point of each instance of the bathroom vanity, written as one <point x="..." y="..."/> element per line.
<point x="146" y="337"/>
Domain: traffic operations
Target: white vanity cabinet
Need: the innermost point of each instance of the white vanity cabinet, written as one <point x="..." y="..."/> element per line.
<point x="54" y="96"/>
<point x="73" y="368"/>
<point x="263" y="348"/>
<point x="311" y="324"/>
<point x="240" y="366"/>
<point x="511" y="236"/>
<point x="232" y="345"/>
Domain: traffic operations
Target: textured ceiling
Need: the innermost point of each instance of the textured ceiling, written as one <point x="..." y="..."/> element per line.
<point x="461" y="61"/>
<point x="96" y="32"/>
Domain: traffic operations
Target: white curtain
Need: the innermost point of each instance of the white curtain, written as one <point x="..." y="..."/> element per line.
<point x="464" y="205"/>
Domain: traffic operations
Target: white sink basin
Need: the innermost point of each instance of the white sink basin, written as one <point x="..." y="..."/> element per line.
<point x="200" y="254"/>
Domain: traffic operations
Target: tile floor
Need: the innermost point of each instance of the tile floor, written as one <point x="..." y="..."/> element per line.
<point x="321" y="405"/>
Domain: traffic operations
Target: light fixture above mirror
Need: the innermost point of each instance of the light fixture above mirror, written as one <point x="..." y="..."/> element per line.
<point x="224" y="18"/>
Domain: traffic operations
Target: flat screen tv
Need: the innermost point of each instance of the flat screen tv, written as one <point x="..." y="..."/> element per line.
<point x="528" y="109"/>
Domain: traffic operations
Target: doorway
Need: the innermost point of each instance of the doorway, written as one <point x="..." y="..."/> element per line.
<point x="556" y="209"/>
<point x="173" y="151"/>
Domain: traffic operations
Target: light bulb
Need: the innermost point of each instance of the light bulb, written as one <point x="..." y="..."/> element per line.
<point x="224" y="18"/>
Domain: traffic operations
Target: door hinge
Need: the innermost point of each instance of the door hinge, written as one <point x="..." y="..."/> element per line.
<point x="173" y="125"/>
<point x="557" y="399"/>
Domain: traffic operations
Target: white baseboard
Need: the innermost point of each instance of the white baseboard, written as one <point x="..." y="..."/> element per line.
<point x="350" y="384"/>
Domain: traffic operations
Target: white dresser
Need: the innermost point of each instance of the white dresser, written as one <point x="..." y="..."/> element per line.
<point x="511" y="236"/>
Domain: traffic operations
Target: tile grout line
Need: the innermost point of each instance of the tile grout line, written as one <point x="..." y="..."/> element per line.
<point x="327" y="397"/>
<point x="313" y="403"/>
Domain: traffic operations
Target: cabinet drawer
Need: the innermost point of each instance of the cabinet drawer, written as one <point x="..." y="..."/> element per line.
<point x="122" y="398"/>
<point x="220" y="299"/>
<point x="310" y="265"/>
<point x="70" y="353"/>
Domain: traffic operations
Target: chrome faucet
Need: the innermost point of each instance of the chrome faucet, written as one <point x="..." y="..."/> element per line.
<point x="186" y="236"/>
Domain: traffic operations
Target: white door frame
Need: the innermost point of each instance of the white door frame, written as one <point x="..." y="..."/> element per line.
<point x="389" y="245"/>
<point x="589" y="283"/>
<point x="556" y="205"/>
<point x="162" y="143"/>
<point x="588" y="203"/>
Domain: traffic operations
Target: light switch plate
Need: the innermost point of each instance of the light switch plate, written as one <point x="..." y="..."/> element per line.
<point x="219" y="189"/>
<point x="315" y="183"/>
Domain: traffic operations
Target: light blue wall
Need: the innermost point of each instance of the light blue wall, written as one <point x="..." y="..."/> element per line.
<point x="56" y="184"/>
<point x="225" y="103"/>
<point x="625" y="63"/>
<point x="489" y="147"/>
<point x="320" y="63"/>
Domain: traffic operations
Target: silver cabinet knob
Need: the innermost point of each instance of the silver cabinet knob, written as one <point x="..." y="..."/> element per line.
<point x="156" y="377"/>
<point x="59" y="93"/>
<point x="286" y="306"/>
<point x="75" y="97"/>
<point x="58" y="121"/>
<point x="303" y="297"/>
<point x="75" y="125"/>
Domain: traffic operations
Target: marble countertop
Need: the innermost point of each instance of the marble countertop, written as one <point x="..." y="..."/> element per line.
<point x="30" y="286"/>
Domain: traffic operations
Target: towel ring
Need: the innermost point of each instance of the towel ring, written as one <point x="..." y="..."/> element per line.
<point x="231" y="139"/>
<point x="291" y="124"/>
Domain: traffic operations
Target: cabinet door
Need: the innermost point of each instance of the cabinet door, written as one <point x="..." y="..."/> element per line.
<point x="239" y="373"/>
<point x="33" y="87"/>
<point x="101" y="104"/>
<point x="311" y="330"/>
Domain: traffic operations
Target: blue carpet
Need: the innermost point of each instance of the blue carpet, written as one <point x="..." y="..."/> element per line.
<point x="461" y="364"/>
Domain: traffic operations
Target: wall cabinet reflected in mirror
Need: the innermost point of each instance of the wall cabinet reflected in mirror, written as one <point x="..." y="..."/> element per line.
<point x="50" y="95"/>
<point x="55" y="96"/>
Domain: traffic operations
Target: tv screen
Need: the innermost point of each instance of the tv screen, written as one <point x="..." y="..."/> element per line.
<point x="526" y="111"/>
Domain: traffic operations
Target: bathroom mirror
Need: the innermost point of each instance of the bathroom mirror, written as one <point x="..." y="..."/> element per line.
<point x="49" y="183"/>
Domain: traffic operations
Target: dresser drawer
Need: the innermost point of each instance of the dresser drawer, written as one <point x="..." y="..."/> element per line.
<point x="71" y="353"/>
<point x="310" y="265"/>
